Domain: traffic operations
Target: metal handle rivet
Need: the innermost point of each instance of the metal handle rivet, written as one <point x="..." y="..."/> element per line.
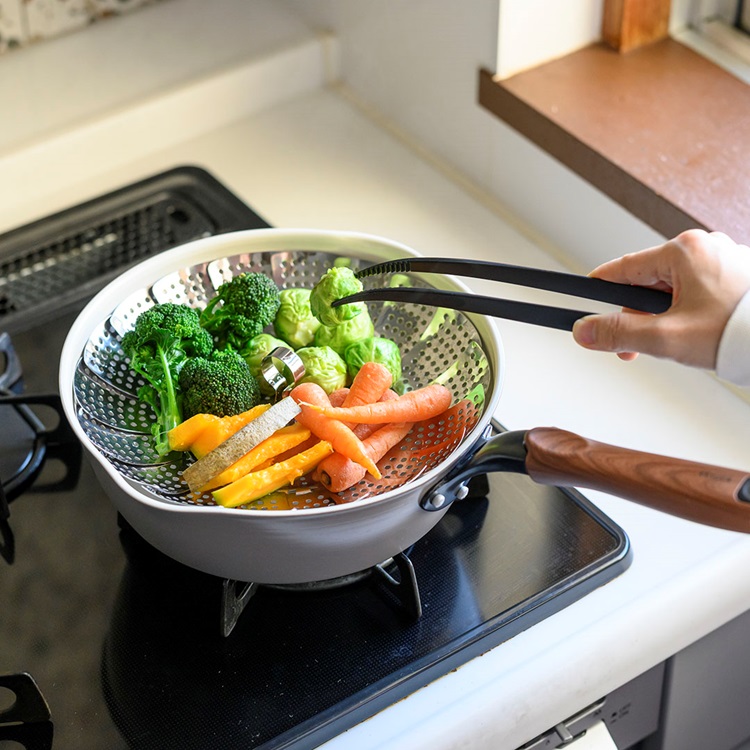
<point x="438" y="501"/>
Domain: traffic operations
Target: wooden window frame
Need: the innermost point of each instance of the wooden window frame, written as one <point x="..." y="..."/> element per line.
<point x="649" y="122"/>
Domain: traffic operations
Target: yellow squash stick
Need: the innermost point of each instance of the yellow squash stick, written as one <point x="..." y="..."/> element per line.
<point x="203" y="432"/>
<point x="259" y="483"/>
<point x="280" y="442"/>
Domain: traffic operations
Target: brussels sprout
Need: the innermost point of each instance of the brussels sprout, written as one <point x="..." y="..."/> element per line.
<point x="335" y="283"/>
<point x="373" y="349"/>
<point x="294" y="320"/>
<point x="257" y="348"/>
<point x="323" y="366"/>
<point x="340" y="336"/>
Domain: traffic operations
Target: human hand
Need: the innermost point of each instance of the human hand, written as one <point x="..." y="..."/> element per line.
<point x="707" y="274"/>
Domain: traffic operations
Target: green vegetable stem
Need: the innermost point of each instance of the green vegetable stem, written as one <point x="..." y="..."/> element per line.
<point x="163" y="338"/>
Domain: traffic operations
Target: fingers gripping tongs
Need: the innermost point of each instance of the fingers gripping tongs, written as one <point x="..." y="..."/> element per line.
<point x="624" y="295"/>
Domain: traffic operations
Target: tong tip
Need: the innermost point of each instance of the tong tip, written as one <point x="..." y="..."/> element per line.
<point x="390" y="266"/>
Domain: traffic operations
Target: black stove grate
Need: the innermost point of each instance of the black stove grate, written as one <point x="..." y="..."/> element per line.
<point x="66" y="258"/>
<point x="47" y="271"/>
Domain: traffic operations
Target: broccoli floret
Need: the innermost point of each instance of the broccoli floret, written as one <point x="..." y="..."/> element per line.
<point x="163" y="338"/>
<point x="219" y="384"/>
<point x="241" y="309"/>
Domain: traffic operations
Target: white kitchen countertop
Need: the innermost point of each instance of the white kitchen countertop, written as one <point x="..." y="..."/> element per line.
<point x="305" y="157"/>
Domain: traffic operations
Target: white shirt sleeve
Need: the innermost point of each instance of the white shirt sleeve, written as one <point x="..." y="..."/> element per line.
<point x="733" y="357"/>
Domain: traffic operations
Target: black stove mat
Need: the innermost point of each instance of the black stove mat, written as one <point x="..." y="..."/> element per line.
<point x="302" y="667"/>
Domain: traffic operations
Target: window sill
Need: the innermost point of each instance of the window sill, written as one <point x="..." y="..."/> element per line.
<point x="661" y="130"/>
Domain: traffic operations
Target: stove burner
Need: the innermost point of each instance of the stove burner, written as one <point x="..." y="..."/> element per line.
<point x="27" y="720"/>
<point x="11" y="373"/>
<point x="43" y="441"/>
<point x="28" y="441"/>
<point x="7" y="541"/>
<point x="395" y="576"/>
<point x="394" y="580"/>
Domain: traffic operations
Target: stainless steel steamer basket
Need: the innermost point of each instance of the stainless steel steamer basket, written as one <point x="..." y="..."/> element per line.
<point x="262" y="544"/>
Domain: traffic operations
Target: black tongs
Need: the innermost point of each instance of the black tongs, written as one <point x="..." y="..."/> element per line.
<point x="624" y="295"/>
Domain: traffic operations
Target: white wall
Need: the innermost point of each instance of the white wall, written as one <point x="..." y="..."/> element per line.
<point x="417" y="63"/>
<point x="534" y="31"/>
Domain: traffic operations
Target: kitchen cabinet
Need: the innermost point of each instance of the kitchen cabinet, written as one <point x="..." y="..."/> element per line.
<point x="707" y="686"/>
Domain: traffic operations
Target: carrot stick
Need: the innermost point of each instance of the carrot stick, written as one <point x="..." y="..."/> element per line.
<point x="369" y="384"/>
<point x="363" y="431"/>
<point x="338" y="473"/>
<point x="338" y="397"/>
<point x="413" y="406"/>
<point x="333" y="431"/>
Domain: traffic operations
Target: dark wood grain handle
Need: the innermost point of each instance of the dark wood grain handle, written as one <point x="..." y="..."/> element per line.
<point x="708" y="494"/>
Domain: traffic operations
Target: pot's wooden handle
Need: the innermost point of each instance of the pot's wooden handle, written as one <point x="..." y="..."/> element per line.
<point x="707" y="494"/>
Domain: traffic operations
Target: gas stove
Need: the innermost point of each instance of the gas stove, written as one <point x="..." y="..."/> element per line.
<point x="106" y="642"/>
